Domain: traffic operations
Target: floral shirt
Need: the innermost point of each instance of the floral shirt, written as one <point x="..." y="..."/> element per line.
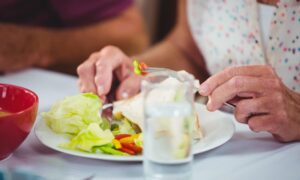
<point x="228" y="33"/>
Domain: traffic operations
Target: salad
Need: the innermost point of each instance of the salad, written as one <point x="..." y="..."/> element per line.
<point x="78" y="116"/>
<point x="139" y="68"/>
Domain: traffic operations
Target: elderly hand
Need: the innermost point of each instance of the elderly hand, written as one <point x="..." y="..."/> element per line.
<point x="270" y="107"/>
<point x="97" y="73"/>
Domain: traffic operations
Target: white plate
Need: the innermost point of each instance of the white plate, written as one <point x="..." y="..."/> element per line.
<point x="218" y="128"/>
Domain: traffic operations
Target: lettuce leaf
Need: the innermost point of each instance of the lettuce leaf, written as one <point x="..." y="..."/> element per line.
<point x="108" y="149"/>
<point x="139" y="141"/>
<point x="90" y="137"/>
<point x="123" y="127"/>
<point x="74" y="113"/>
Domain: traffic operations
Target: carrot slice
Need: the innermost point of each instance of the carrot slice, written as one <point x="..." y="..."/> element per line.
<point x="128" y="151"/>
<point x="121" y="136"/>
<point x="132" y="147"/>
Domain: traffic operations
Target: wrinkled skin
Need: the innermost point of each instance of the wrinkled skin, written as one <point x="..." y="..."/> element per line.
<point x="97" y="74"/>
<point x="264" y="102"/>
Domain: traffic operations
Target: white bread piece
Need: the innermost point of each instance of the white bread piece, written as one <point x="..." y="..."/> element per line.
<point x="132" y="108"/>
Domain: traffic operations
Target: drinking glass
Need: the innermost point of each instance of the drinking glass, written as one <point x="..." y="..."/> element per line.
<point x="168" y="116"/>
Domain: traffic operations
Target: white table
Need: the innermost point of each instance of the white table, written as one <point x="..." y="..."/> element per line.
<point x="247" y="155"/>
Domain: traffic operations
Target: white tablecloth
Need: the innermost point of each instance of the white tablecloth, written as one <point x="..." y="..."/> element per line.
<point x="247" y="155"/>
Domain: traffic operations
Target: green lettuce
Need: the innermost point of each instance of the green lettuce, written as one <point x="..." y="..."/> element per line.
<point x="108" y="149"/>
<point x="74" y="113"/>
<point x="92" y="136"/>
<point x="139" y="141"/>
<point x="123" y="127"/>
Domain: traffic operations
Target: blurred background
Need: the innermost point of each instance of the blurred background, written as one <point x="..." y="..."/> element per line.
<point x="160" y="16"/>
<point x="60" y="35"/>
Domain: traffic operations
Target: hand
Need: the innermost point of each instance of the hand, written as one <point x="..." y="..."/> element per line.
<point x="96" y="74"/>
<point x="269" y="106"/>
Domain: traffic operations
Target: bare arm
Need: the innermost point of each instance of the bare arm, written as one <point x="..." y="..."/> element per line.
<point x="22" y="46"/>
<point x="178" y="51"/>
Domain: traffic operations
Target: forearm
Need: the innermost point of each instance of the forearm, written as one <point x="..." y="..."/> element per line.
<point x="126" y="32"/>
<point x="163" y="54"/>
<point x="23" y="46"/>
<point x="168" y="54"/>
<point x="178" y="51"/>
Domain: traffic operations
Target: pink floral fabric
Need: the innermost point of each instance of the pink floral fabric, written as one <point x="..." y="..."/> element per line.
<point x="228" y="33"/>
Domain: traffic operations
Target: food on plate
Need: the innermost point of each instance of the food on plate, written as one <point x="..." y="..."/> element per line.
<point x="139" y="68"/>
<point x="90" y="137"/>
<point x="132" y="109"/>
<point x="168" y="127"/>
<point x="73" y="113"/>
<point x="78" y="118"/>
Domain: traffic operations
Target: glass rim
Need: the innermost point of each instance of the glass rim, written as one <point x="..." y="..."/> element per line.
<point x="146" y="81"/>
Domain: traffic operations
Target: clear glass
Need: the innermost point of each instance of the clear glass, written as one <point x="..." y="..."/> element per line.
<point x="168" y="112"/>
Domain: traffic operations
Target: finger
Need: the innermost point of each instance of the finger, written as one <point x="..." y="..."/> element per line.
<point x="112" y="61"/>
<point x="124" y="70"/>
<point x="235" y="86"/>
<point x="214" y="81"/>
<point x="248" y="108"/>
<point x="103" y="78"/>
<point x="113" y="55"/>
<point x="282" y="138"/>
<point x="104" y="99"/>
<point x="86" y="72"/>
<point x="261" y="123"/>
<point x="128" y="87"/>
<point x="237" y="99"/>
<point x="246" y="95"/>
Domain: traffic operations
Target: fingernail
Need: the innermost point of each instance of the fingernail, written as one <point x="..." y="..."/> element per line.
<point x="203" y="89"/>
<point x="103" y="98"/>
<point x="100" y="90"/>
<point x="209" y="105"/>
<point x="124" y="95"/>
<point x="82" y="90"/>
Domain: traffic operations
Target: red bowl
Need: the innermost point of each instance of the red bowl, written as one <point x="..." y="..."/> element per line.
<point x="18" y="109"/>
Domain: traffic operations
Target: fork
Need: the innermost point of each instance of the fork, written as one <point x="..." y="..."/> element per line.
<point x="148" y="70"/>
<point x="104" y="107"/>
<point x="155" y="69"/>
<point x="228" y="107"/>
